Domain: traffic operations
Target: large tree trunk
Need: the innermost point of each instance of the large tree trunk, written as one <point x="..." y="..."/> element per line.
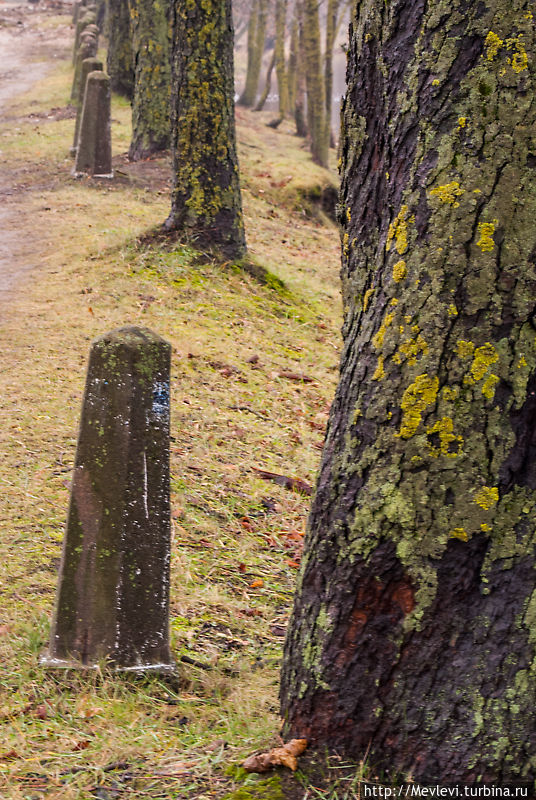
<point x="413" y="633"/>
<point x="119" y="56"/>
<point x="150" y="103"/>
<point x="206" y="201"/>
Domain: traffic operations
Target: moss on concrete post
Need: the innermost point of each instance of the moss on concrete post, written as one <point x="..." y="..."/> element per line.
<point x="119" y="60"/>
<point x="412" y="641"/>
<point x="88" y="65"/>
<point x="206" y="200"/>
<point x="150" y="30"/>
<point x="113" y="593"/>
<point x="94" y="149"/>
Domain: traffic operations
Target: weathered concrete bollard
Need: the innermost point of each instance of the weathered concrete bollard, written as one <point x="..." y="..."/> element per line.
<point x="86" y="18"/>
<point x="88" y="65"/>
<point x="88" y="49"/>
<point x="94" y="150"/>
<point x="113" y="594"/>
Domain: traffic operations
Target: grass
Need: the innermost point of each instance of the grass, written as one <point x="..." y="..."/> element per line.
<point x="236" y="538"/>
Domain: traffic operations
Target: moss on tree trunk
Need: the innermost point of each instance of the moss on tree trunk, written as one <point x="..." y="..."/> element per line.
<point x="413" y="633"/>
<point x="206" y="200"/>
<point x="152" y="67"/>
<point x="119" y="57"/>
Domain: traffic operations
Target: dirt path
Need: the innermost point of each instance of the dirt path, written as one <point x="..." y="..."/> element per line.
<point x="26" y="57"/>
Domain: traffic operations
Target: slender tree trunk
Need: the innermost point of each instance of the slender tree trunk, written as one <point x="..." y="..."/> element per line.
<point x="151" y="100"/>
<point x="292" y="71"/>
<point x="267" y="84"/>
<point x="206" y="200"/>
<point x="300" y="102"/>
<point x="412" y="641"/>
<point x="331" y="29"/>
<point x="247" y="98"/>
<point x="280" y="60"/>
<point x="119" y="62"/>
<point x="316" y="103"/>
<point x="256" y="40"/>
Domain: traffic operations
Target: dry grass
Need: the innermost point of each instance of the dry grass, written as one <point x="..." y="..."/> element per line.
<point x="237" y="538"/>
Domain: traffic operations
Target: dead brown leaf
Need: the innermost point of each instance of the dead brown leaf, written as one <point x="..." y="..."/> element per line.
<point x="286" y="756"/>
<point x="296" y="376"/>
<point x="289" y="482"/>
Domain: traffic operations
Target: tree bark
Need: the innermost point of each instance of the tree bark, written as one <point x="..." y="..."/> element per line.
<point x="206" y="200"/>
<point x="300" y="101"/>
<point x="280" y="61"/>
<point x="412" y="641"/>
<point x="292" y="71"/>
<point x="119" y="57"/>
<point x="316" y="103"/>
<point x="267" y="84"/>
<point x="151" y="100"/>
<point x="256" y="39"/>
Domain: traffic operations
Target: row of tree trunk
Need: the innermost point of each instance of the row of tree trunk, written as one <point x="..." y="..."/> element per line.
<point x="139" y="65"/>
<point x="305" y="78"/>
<point x="174" y="61"/>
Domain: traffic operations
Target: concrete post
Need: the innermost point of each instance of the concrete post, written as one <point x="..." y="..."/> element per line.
<point x="88" y="65"/>
<point x="94" y="149"/>
<point x="113" y="594"/>
<point x="88" y="49"/>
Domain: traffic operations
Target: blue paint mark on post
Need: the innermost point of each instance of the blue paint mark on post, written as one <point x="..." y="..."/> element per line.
<point x="161" y="399"/>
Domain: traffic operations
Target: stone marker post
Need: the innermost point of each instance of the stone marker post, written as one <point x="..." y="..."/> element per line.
<point x="113" y="594"/>
<point x="85" y="19"/>
<point x="88" y="65"/>
<point x="88" y="49"/>
<point x="94" y="149"/>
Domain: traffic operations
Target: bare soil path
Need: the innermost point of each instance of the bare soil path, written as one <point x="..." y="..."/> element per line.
<point x="27" y="51"/>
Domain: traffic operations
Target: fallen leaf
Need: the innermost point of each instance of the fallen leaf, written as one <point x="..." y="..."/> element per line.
<point x="286" y="756"/>
<point x="293" y="564"/>
<point x="81" y="745"/>
<point x="217" y="744"/>
<point x="296" y="376"/>
<point x="287" y="481"/>
<point x="256" y="584"/>
<point x="42" y="711"/>
<point x="9" y="756"/>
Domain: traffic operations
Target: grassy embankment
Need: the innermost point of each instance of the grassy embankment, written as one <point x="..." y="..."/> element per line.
<point x="236" y="538"/>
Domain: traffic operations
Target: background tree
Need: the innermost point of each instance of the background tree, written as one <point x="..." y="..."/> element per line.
<point x="152" y="75"/>
<point x="316" y="103"/>
<point x="300" y="102"/>
<point x="256" y="38"/>
<point x="119" y="62"/>
<point x="206" y="200"/>
<point x="412" y="637"/>
<point x="280" y="60"/>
